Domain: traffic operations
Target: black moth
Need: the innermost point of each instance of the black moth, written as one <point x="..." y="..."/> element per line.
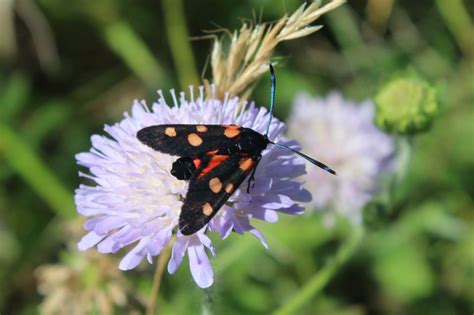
<point x="216" y="159"/>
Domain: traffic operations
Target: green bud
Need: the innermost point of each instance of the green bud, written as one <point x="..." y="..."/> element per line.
<point x="406" y="106"/>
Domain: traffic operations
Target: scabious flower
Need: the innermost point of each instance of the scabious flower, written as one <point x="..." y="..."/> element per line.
<point x="134" y="200"/>
<point x="341" y="134"/>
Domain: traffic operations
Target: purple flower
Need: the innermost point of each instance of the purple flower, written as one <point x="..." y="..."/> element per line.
<point x="134" y="199"/>
<point x="343" y="135"/>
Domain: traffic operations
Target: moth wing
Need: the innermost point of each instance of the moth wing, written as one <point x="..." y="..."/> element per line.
<point x="189" y="140"/>
<point x="210" y="187"/>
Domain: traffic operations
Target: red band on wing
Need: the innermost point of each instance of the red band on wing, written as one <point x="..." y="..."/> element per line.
<point x="214" y="162"/>
<point x="197" y="163"/>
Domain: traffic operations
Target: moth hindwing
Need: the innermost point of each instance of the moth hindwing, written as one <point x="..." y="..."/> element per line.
<point x="210" y="186"/>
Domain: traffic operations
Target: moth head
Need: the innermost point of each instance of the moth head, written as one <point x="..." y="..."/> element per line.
<point x="252" y="142"/>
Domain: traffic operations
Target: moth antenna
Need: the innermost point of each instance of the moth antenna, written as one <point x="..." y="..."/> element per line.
<point x="310" y="159"/>
<point x="272" y="103"/>
<point x="272" y="96"/>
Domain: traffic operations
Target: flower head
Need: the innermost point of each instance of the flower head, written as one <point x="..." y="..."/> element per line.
<point x="406" y="105"/>
<point x="134" y="199"/>
<point x="341" y="134"/>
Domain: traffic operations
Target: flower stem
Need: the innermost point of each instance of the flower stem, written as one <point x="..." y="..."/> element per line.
<point x="160" y="268"/>
<point x="322" y="278"/>
<point x="456" y="17"/>
<point x="207" y="302"/>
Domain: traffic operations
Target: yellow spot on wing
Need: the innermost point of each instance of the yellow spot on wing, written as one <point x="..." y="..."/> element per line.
<point x="201" y="128"/>
<point x="245" y="164"/>
<point x="229" y="188"/>
<point x="194" y="140"/>
<point x="207" y="209"/>
<point x="170" y="131"/>
<point x="232" y="131"/>
<point x="215" y="185"/>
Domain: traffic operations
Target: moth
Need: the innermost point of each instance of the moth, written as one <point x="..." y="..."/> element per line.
<point x="216" y="159"/>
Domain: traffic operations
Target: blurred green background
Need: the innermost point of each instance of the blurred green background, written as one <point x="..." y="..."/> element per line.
<point x="68" y="67"/>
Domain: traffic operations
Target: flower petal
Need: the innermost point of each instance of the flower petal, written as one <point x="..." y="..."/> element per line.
<point x="89" y="240"/>
<point x="200" y="266"/>
<point x="135" y="256"/>
<point x="177" y="253"/>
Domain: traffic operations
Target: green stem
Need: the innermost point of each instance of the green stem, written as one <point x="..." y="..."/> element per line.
<point x="178" y="39"/>
<point x="158" y="276"/>
<point x="207" y="302"/>
<point x="322" y="278"/>
<point x="32" y="169"/>
<point x="457" y="19"/>
<point x="123" y="40"/>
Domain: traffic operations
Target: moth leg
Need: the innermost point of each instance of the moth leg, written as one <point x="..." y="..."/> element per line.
<point x="251" y="181"/>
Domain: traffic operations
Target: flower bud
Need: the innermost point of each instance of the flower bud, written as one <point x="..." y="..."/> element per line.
<point x="406" y="106"/>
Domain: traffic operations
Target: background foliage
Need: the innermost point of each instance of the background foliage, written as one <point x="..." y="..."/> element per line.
<point x="69" y="67"/>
